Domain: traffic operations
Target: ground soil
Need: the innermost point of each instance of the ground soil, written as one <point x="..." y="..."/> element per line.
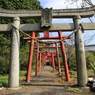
<point x="47" y="83"/>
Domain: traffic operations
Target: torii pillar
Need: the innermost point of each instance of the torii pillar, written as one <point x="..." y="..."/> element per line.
<point x="58" y="59"/>
<point x="14" y="60"/>
<point x="80" y="54"/>
<point x="30" y="58"/>
<point x="40" y="61"/>
<point x="53" y="64"/>
<point x="64" y="57"/>
<point x="37" y="60"/>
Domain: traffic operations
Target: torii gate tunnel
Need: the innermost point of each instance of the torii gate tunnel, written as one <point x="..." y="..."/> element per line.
<point x="46" y="55"/>
<point x="46" y="16"/>
<point x="49" y="55"/>
<point x="46" y="36"/>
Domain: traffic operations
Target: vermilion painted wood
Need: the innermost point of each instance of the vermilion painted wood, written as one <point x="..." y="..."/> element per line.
<point x="64" y="57"/>
<point x="37" y="58"/>
<point x="46" y="34"/>
<point x="58" y="59"/>
<point x="30" y="58"/>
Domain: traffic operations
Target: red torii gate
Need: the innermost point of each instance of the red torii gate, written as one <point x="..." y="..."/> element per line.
<point x="46" y="36"/>
<point x="46" y="55"/>
<point x="57" y="54"/>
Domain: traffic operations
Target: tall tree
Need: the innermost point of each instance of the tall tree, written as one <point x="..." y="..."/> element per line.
<point x="5" y="37"/>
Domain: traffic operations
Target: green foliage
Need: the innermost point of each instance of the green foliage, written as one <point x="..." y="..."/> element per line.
<point x="24" y="53"/>
<point x="93" y="52"/>
<point x="22" y="74"/>
<point x="20" y="4"/>
<point x="90" y="58"/>
<point x="73" y="88"/>
<point x="4" y="54"/>
<point x="4" y="78"/>
<point x="71" y="59"/>
<point x="72" y="63"/>
<point x="3" y="81"/>
<point x="5" y="37"/>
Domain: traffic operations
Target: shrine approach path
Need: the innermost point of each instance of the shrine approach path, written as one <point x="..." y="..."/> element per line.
<point x="46" y="83"/>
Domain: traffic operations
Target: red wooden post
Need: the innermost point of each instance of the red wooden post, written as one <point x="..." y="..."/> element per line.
<point x="40" y="60"/>
<point x="58" y="59"/>
<point x="64" y="57"/>
<point x="37" y="57"/>
<point x="46" y="34"/>
<point x="41" y="38"/>
<point x="53" y="61"/>
<point x="30" y="58"/>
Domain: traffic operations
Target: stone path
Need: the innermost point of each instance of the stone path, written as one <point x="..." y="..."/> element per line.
<point x="46" y="83"/>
